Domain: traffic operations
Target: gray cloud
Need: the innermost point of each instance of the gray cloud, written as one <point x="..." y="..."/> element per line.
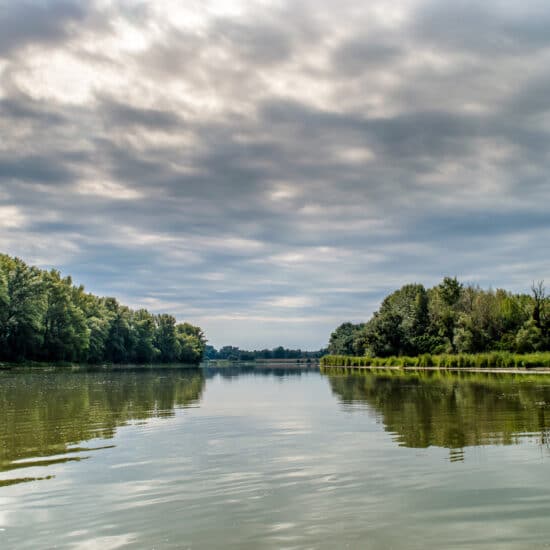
<point x="271" y="172"/>
<point x="493" y="28"/>
<point x="257" y="43"/>
<point x="34" y="22"/>
<point x="115" y="113"/>
<point x="359" y="55"/>
<point x="38" y="169"/>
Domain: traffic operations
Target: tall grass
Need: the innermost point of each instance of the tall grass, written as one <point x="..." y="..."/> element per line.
<point x="492" y="360"/>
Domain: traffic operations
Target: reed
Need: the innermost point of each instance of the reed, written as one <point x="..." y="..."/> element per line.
<point x="491" y="360"/>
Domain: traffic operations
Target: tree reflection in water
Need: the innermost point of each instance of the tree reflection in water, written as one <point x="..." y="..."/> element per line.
<point x="450" y="410"/>
<point x="47" y="414"/>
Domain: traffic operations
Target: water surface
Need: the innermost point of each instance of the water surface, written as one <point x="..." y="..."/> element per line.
<point x="272" y="458"/>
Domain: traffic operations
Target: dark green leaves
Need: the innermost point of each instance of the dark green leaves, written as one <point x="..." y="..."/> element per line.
<point x="43" y="316"/>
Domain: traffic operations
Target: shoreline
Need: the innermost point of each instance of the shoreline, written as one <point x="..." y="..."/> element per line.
<point x="37" y="365"/>
<point x="504" y="370"/>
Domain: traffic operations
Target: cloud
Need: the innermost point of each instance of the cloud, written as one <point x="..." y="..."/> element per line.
<point x="124" y="115"/>
<point x="11" y="217"/>
<point x="271" y="170"/>
<point x="34" y="168"/>
<point x="35" y="22"/>
<point x="291" y="302"/>
<point x="495" y="28"/>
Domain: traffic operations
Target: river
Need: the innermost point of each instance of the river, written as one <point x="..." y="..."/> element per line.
<point x="262" y="458"/>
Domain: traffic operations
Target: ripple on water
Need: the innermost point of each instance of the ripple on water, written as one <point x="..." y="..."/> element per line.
<point x="306" y="462"/>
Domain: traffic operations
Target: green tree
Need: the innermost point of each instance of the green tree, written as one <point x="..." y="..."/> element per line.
<point x="4" y="303"/>
<point x="344" y="339"/>
<point x="22" y="326"/>
<point x="144" y="332"/>
<point x="166" y="340"/>
<point x="529" y="337"/>
<point x="44" y="316"/>
<point x="98" y="321"/>
<point x="450" y="291"/>
<point x="66" y="335"/>
<point x="120" y="340"/>
<point x="192" y="343"/>
<point x="401" y="324"/>
<point x="450" y="318"/>
<point x="444" y="307"/>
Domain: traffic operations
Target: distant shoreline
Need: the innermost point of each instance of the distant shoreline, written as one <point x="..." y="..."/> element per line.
<point x="221" y="363"/>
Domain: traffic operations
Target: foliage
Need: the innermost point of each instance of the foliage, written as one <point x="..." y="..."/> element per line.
<point x="346" y="340"/>
<point x="44" y="317"/>
<point x="233" y="353"/>
<point x="496" y="359"/>
<point x="449" y="318"/>
<point x="400" y="326"/>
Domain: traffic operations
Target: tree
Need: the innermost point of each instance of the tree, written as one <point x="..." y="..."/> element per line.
<point x="230" y="353"/>
<point x="382" y="335"/>
<point x="66" y="335"/>
<point x="448" y="318"/>
<point x="445" y="303"/>
<point x="22" y="331"/>
<point x="192" y="343"/>
<point x="98" y="321"/>
<point x="343" y="339"/>
<point x="450" y="290"/>
<point x="44" y="316"/>
<point x="464" y="340"/>
<point x="539" y="295"/>
<point x="400" y="326"/>
<point x="210" y="352"/>
<point x="144" y="334"/>
<point x="4" y="302"/>
<point x="120" y="340"/>
<point x="165" y="339"/>
<point x="529" y="337"/>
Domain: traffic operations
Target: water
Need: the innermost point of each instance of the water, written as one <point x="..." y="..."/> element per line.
<point x="272" y="458"/>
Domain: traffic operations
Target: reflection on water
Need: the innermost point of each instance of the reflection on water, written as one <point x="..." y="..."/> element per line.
<point x="45" y="414"/>
<point x="450" y="410"/>
<point x="248" y="458"/>
<point x="276" y="371"/>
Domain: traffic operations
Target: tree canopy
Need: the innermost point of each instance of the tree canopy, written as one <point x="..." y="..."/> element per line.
<point x="45" y="317"/>
<point x="449" y="318"/>
<point x="233" y="353"/>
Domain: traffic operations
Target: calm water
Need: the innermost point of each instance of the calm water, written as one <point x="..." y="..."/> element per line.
<point x="273" y="458"/>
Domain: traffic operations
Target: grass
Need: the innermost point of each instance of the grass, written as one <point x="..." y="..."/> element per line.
<point x="491" y="360"/>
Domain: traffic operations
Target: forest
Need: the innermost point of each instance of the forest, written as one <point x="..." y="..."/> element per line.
<point x="233" y="353"/>
<point x="45" y="317"/>
<point x="450" y="318"/>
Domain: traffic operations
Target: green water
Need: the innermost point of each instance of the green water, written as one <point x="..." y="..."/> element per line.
<point x="272" y="458"/>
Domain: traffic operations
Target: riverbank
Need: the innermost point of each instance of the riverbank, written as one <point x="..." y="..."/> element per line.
<point x="38" y="365"/>
<point x="480" y="361"/>
<point x="344" y="370"/>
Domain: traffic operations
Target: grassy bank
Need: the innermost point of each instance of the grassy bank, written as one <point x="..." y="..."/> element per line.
<point x="493" y="360"/>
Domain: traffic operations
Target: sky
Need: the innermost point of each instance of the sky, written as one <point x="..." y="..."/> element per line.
<point x="270" y="169"/>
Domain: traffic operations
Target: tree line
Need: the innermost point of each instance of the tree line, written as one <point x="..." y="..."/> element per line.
<point x="449" y="318"/>
<point x="45" y="317"/>
<point x="234" y="353"/>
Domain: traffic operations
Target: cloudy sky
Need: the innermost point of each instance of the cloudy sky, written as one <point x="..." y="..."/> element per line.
<point x="270" y="169"/>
